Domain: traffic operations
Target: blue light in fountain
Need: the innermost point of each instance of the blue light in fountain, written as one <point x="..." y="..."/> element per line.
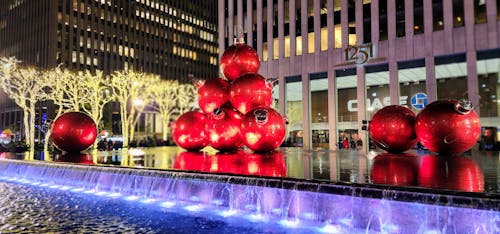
<point x="322" y="212"/>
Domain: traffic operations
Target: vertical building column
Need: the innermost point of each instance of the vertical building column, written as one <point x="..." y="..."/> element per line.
<point x="470" y="52"/>
<point x="249" y="28"/>
<point x="430" y="70"/>
<point x="430" y="79"/>
<point x="361" y="94"/>
<point x="281" y="55"/>
<point x="359" y="22"/>
<point x="293" y="35"/>
<point x="306" y="135"/>
<point x="317" y="34"/>
<point x="448" y="25"/>
<point x="344" y="23"/>
<point x="239" y="14"/>
<point x="303" y="30"/>
<point x="491" y="13"/>
<point x="281" y="30"/>
<point x="409" y="22"/>
<point x="332" y="109"/>
<point x="393" y="67"/>
<point x="332" y="99"/>
<point x="221" y="28"/>
<point x="230" y="22"/>
<point x="270" y="38"/>
<point x="375" y="23"/>
<point x="259" y="29"/>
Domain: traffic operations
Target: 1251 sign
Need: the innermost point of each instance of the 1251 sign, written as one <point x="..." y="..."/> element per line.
<point x="359" y="54"/>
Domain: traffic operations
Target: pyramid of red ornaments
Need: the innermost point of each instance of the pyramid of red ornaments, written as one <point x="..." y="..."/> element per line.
<point x="235" y="109"/>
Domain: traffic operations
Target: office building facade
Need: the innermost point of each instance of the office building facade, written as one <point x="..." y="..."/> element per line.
<point x="339" y="61"/>
<point x="174" y="39"/>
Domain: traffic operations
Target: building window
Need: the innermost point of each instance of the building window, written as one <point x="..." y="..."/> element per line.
<point x="347" y="105"/>
<point x="480" y="11"/>
<point x="437" y="15"/>
<point x="418" y="16"/>
<point x="488" y="71"/>
<point x="367" y="23"/>
<point x="400" y="18"/>
<point x="458" y="13"/>
<point x="451" y="71"/>
<point x="294" y="110"/>
<point x="382" y="9"/>
<point x="412" y="85"/>
<point x="319" y="112"/>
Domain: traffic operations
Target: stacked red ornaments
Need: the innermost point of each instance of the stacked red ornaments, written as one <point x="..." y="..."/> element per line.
<point x="235" y="109"/>
<point x="443" y="126"/>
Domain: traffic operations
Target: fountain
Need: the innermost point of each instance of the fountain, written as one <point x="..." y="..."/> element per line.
<point x="328" y="207"/>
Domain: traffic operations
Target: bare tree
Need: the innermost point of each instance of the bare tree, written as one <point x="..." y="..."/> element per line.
<point x="186" y="97"/>
<point x="81" y="91"/>
<point x="165" y="97"/>
<point x="130" y="89"/>
<point x="25" y="85"/>
<point x="97" y="94"/>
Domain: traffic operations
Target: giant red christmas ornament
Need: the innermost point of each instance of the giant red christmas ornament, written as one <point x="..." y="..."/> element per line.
<point x="189" y="130"/>
<point x="392" y="128"/>
<point x="73" y="132"/>
<point x="450" y="172"/>
<point x="212" y="94"/>
<point x="223" y="129"/>
<point x="250" y="91"/>
<point x="448" y="126"/>
<point x="239" y="59"/>
<point x="263" y="129"/>
<point x="394" y="169"/>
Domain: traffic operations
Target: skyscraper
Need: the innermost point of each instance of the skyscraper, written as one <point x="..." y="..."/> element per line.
<point x="175" y="39"/>
<point x="339" y="61"/>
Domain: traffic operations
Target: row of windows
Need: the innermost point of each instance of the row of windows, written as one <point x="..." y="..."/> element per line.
<point x="142" y="25"/>
<point x="165" y="8"/>
<point x="457" y="14"/>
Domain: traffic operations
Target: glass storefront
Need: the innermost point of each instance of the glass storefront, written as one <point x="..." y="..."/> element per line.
<point x="377" y="94"/>
<point x="347" y="107"/>
<point x="488" y="72"/>
<point x="319" y="110"/>
<point x="294" y="111"/>
<point x="451" y="71"/>
<point x="412" y="89"/>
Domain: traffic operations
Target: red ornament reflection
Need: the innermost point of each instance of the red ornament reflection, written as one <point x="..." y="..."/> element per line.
<point x="189" y="130"/>
<point x="212" y="94"/>
<point x="223" y="127"/>
<point x="267" y="164"/>
<point x="249" y="92"/>
<point x="73" y="132"/>
<point x="392" y="128"/>
<point x="395" y="169"/>
<point x="239" y="59"/>
<point x="448" y="126"/>
<point x="453" y="172"/>
<point x="263" y="129"/>
<point x="192" y="161"/>
<point x="76" y="158"/>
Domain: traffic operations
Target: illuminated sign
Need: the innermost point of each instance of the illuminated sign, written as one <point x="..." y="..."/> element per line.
<point x="418" y="101"/>
<point x="359" y="54"/>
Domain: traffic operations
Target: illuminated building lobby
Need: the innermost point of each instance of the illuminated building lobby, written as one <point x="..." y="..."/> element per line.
<point x="327" y="69"/>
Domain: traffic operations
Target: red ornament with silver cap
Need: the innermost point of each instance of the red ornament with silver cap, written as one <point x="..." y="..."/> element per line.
<point x="448" y="126"/>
